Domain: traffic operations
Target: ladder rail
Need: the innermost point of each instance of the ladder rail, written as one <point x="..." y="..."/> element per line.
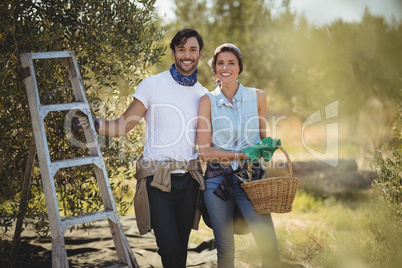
<point x="41" y="145"/>
<point x="49" y="168"/>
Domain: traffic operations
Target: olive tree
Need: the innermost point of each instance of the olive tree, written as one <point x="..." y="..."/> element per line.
<point x="115" y="42"/>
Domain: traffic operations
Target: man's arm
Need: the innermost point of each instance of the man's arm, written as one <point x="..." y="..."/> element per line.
<point x="127" y="121"/>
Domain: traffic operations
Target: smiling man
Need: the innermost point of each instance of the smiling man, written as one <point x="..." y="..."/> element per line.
<point x="168" y="173"/>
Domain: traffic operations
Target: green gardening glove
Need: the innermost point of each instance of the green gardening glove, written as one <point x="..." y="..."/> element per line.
<point x="269" y="146"/>
<point x="253" y="152"/>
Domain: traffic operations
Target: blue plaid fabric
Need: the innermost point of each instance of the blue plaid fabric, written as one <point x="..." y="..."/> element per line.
<point x="225" y="189"/>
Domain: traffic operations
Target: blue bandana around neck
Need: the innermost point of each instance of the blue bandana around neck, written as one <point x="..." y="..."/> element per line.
<point x="187" y="81"/>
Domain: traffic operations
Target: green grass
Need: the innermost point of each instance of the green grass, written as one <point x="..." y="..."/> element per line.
<point x="356" y="232"/>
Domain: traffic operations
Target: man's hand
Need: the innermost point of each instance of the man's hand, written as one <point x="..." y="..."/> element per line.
<point x="81" y="122"/>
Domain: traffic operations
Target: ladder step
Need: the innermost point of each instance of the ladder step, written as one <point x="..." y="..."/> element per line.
<point x="44" y="109"/>
<point x="85" y="218"/>
<point x="51" y="55"/>
<point x="73" y="162"/>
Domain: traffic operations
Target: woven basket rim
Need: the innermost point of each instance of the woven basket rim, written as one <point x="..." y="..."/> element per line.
<point x="272" y="179"/>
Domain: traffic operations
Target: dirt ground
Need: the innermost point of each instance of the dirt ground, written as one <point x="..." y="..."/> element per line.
<point x="96" y="248"/>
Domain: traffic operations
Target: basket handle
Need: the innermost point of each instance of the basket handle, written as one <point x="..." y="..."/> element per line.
<point x="288" y="159"/>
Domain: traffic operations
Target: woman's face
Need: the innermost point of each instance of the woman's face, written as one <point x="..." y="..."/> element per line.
<point x="227" y="67"/>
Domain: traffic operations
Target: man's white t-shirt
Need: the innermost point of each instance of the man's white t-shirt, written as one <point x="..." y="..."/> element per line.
<point x="171" y="117"/>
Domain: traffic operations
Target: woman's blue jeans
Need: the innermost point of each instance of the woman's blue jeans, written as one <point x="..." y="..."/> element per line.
<point x="221" y="215"/>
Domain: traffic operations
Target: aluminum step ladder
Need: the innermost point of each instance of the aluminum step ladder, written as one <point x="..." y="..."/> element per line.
<point x="49" y="168"/>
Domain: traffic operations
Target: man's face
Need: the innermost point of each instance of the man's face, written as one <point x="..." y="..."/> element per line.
<point x="186" y="56"/>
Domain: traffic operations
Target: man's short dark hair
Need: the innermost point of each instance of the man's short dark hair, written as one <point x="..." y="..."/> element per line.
<point x="181" y="38"/>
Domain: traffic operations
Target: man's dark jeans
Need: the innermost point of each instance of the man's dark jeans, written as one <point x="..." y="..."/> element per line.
<point x="172" y="217"/>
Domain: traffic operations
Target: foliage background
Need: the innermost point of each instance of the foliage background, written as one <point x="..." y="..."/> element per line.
<point x="114" y="42"/>
<point x="301" y="67"/>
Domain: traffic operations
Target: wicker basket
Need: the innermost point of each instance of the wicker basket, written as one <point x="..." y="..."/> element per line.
<point x="273" y="195"/>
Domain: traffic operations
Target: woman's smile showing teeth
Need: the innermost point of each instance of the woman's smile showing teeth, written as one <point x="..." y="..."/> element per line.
<point x="226" y="74"/>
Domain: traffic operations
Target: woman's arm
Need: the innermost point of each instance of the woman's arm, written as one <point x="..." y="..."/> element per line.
<point x="204" y="137"/>
<point x="262" y="112"/>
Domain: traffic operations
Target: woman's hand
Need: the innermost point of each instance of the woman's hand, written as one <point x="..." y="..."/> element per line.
<point x="264" y="148"/>
<point x="268" y="148"/>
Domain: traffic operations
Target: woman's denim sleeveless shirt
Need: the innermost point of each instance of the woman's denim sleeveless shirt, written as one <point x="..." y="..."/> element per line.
<point x="235" y="127"/>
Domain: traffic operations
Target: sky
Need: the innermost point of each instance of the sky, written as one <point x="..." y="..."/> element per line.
<point x="321" y="12"/>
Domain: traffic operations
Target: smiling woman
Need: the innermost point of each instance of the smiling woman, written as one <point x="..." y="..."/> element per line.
<point x="222" y="144"/>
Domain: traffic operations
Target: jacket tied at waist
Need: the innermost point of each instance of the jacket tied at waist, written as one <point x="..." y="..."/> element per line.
<point x="161" y="170"/>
